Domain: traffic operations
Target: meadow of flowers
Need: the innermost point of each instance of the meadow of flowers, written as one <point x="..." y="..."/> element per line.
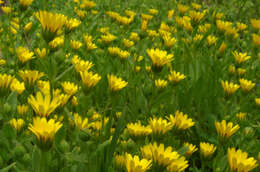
<point x="135" y="86"/>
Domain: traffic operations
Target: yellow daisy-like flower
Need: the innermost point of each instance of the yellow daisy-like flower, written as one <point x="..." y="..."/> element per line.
<point x="159" y="57"/>
<point x="256" y="39"/>
<point x="241" y="115"/>
<point x="75" y="44"/>
<point x="51" y="22"/>
<point x="44" y="131"/>
<point x="89" y="79"/>
<point x="24" y="54"/>
<point x="28" y="26"/>
<point x="6" y="10"/>
<point x="241" y="57"/>
<point x="207" y="149"/>
<point x="41" y="52"/>
<point x="17" y="123"/>
<point x="181" y="121"/>
<point x="5" y="81"/>
<point x="72" y="23"/>
<point x="57" y="42"/>
<point x="22" y="109"/>
<point x="116" y="83"/>
<point x="30" y="76"/>
<point x="43" y="105"/>
<point x="191" y="149"/>
<point x="229" y="87"/>
<point x="246" y="85"/>
<point x="25" y="3"/>
<point x="160" y="83"/>
<point x="257" y="101"/>
<point x="69" y="88"/>
<point x="79" y="122"/>
<point x="255" y="23"/>
<point x="159" y="125"/>
<point x="178" y="165"/>
<point x="222" y="47"/>
<point x="17" y="86"/>
<point x="120" y="161"/>
<point x="175" y="77"/>
<point x="212" y="40"/>
<point x="225" y="129"/>
<point x="137" y="129"/>
<point x="135" y="164"/>
<point x="239" y="161"/>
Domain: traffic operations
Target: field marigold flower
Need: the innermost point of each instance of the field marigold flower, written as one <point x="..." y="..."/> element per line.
<point x="25" y="3"/>
<point x="24" y="54"/>
<point x="191" y="149"/>
<point x="241" y="115"/>
<point x="239" y="161"/>
<point x="207" y="149"/>
<point x="159" y="57"/>
<point x="256" y="39"/>
<point x="181" y="120"/>
<point x="241" y="57"/>
<point x="82" y="65"/>
<point x="178" y="165"/>
<point x="229" y="87"/>
<point x="22" y="109"/>
<point x="28" y="26"/>
<point x="134" y="36"/>
<point x="44" y="131"/>
<point x="75" y="44"/>
<point x="57" y="42"/>
<point x="72" y="23"/>
<point x="241" y="71"/>
<point x="51" y="22"/>
<point x="17" y="123"/>
<point x="17" y="86"/>
<point x="5" y="81"/>
<point x="241" y="26"/>
<point x="6" y="10"/>
<point x="225" y="129"/>
<point x="196" y="16"/>
<point x="257" y="101"/>
<point x="246" y="85"/>
<point x="182" y="8"/>
<point x="43" y="105"/>
<point x="255" y="23"/>
<point x="116" y="83"/>
<point x="160" y="83"/>
<point x="135" y="164"/>
<point x="107" y="38"/>
<point x="137" y="129"/>
<point x="128" y="43"/>
<point x="212" y="40"/>
<point x="120" y="160"/>
<point x="175" y="77"/>
<point x="69" y="88"/>
<point x="30" y="76"/>
<point x="222" y="47"/>
<point x="41" y="52"/>
<point x="89" y="79"/>
<point x="159" y="125"/>
<point x="79" y="122"/>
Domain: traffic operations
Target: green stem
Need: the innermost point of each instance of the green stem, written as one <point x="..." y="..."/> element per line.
<point x="43" y="163"/>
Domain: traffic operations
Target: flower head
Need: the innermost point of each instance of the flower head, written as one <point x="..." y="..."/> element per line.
<point x="137" y="129"/>
<point x="69" y="88"/>
<point x="229" y="87"/>
<point x="25" y="3"/>
<point x="133" y="163"/>
<point x="116" y="83"/>
<point x="207" y="149"/>
<point x="30" y="76"/>
<point x="24" y="54"/>
<point x="89" y="79"/>
<point x="181" y="121"/>
<point x="44" y="131"/>
<point x="225" y="129"/>
<point x="191" y="149"/>
<point x="159" y="57"/>
<point x="17" y="123"/>
<point x="160" y="83"/>
<point x="43" y="105"/>
<point x="22" y="109"/>
<point x="159" y="125"/>
<point x="241" y="57"/>
<point x="246" y="85"/>
<point x="79" y="122"/>
<point x="238" y="161"/>
<point x="175" y="77"/>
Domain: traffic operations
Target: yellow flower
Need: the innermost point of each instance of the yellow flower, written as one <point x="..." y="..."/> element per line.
<point x="6" y="80"/>
<point x="241" y="71"/>
<point x="239" y="161"/>
<point x="24" y="54"/>
<point x="226" y="130"/>
<point x="160" y="83"/>
<point x="44" y="131"/>
<point x="241" y="26"/>
<point x="44" y="86"/>
<point x="28" y="26"/>
<point x="120" y="160"/>
<point x="107" y="38"/>
<point x="246" y="85"/>
<point x="75" y="44"/>
<point x="153" y="11"/>
<point x="178" y="165"/>
<point x="196" y="16"/>
<point x="2" y="62"/>
<point x="74" y="101"/>
<point x="191" y="149"/>
<point x="159" y="57"/>
<point x="255" y="23"/>
<point x="182" y="8"/>
<point x="17" y="86"/>
<point x="69" y="88"/>
<point x="79" y="122"/>
<point x="169" y="41"/>
<point x="43" y="105"/>
<point x="197" y="37"/>
<point x="72" y="23"/>
<point x="196" y="6"/>
<point x="13" y="30"/>
<point x="175" y="77"/>
<point x="41" y="52"/>
<point x="89" y="79"/>
<point x="257" y="101"/>
<point x="127" y="43"/>
<point x="30" y="76"/>
<point x="170" y="14"/>
<point x="240" y="57"/>
<point x="207" y="149"/>
<point x="256" y="39"/>
<point x="87" y="4"/>
<point x="137" y="129"/>
<point x="181" y="120"/>
<point x="229" y="87"/>
<point x="22" y="109"/>
<point x="25" y="3"/>
<point x="159" y="125"/>
<point x="134" y="36"/>
<point x="81" y="65"/>
<point x="6" y="10"/>
<point x="160" y="155"/>
<point x="51" y="22"/>
<point x="232" y="69"/>
<point x="222" y="47"/>
<point x="57" y="42"/>
<point x="17" y="123"/>
<point x="241" y="115"/>
<point x="146" y="17"/>
<point x="204" y="28"/>
<point x="134" y="164"/>
<point x="212" y="40"/>
<point x="116" y="83"/>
